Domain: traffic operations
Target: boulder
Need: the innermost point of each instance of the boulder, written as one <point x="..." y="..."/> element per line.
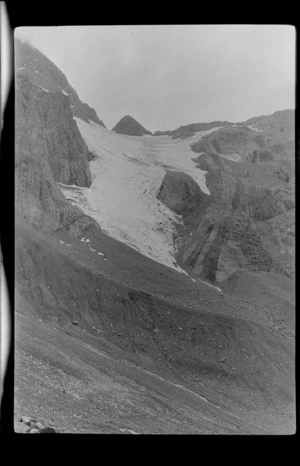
<point x="26" y="420"/>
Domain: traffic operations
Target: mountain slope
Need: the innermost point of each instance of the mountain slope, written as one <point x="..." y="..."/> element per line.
<point x="260" y="139"/>
<point x="133" y="309"/>
<point x="131" y="127"/>
<point x="248" y="220"/>
<point x="41" y="71"/>
<point x="115" y="331"/>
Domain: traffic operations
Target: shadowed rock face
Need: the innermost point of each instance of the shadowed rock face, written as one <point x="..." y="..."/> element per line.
<point x="48" y="148"/>
<point x="41" y="71"/>
<point x="179" y="192"/>
<point x="131" y="127"/>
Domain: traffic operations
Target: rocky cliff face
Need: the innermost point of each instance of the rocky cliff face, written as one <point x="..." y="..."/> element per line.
<point x="248" y="220"/>
<point x="131" y="127"/>
<point x="258" y="140"/>
<point x="42" y="72"/>
<point x="48" y="148"/>
<point x="180" y="193"/>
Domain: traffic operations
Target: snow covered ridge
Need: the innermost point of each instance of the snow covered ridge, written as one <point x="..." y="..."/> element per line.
<point x="127" y="172"/>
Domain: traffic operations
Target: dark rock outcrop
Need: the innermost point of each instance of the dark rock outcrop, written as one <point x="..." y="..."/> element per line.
<point x="44" y="73"/>
<point x="131" y="127"/>
<point x="180" y="193"/>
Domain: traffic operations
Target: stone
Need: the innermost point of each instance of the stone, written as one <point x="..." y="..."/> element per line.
<point x="20" y="427"/>
<point x="39" y="425"/>
<point x="17" y="417"/>
<point x="26" y="420"/>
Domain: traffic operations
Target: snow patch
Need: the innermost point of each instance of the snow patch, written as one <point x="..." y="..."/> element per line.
<point x="84" y="240"/>
<point x="234" y="157"/>
<point x="43" y="89"/>
<point x="209" y="284"/>
<point x="255" y="129"/>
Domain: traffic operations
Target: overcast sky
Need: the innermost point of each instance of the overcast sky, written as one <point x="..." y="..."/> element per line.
<point x="167" y="76"/>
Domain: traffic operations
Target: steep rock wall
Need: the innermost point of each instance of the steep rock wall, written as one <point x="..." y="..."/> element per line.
<point x="246" y="222"/>
<point x="48" y="148"/>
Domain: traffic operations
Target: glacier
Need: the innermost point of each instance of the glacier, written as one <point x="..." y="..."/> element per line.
<point x="127" y="172"/>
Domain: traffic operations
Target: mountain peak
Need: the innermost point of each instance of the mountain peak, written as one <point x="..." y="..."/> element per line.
<point x="128" y="125"/>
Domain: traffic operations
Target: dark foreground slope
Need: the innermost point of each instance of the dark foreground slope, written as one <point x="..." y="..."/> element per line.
<point x="122" y="308"/>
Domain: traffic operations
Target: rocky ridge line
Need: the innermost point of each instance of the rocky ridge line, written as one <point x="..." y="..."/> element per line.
<point x="43" y="72"/>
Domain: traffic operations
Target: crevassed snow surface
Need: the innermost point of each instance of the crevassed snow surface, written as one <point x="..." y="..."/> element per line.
<point x="127" y="172"/>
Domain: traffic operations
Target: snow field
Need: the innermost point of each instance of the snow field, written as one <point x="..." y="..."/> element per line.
<point x="127" y="172"/>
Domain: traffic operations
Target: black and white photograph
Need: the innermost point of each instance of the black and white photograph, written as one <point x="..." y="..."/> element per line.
<point x="155" y="229"/>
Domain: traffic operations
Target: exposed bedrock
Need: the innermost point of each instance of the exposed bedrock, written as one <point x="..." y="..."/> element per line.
<point x="259" y="140"/>
<point x="180" y="193"/>
<point x="45" y="122"/>
<point x="44" y="73"/>
<point x="48" y="148"/>
<point x="246" y="222"/>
